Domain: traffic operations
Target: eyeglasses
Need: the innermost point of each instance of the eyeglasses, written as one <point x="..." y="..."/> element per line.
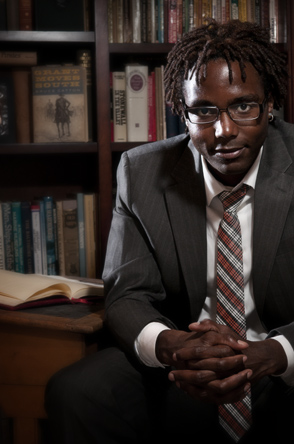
<point x="240" y="112"/>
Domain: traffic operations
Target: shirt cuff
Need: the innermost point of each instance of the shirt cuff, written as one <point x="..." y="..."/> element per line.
<point x="146" y="341"/>
<point x="288" y="375"/>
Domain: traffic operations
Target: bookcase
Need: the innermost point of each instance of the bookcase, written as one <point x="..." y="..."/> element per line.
<point x="30" y="170"/>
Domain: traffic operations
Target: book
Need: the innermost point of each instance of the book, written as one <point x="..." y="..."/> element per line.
<point x="7" y="109"/>
<point x="82" y="241"/>
<point x="172" y="21"/>
<point x="23" y="104"/>
<point x="27" y="237"/>
<point x="12" y="14"/>
<point x="59" y="217"/>
<point x="19" y="291"/>
<point x="84" y="58"/>
<point x="151" y="108"/>
<point x="119" y="106"/>
<point x="71" y="237"/>
<point x="50" y="236"/>
<point x="90" y="238"/>
<point x="234" y="10"/>
<point x="17" y="237"/>
<point x="37" y="242"/>
<point x="3" y="17"/>
<point x="137" y="102"/>
<point x="8" y="235"/>
<point x="12" y="58"/>
<point x="25" y="15"/>
<point x="60" y="112"/>
<point x="59" y="15"/>
<point x="136" y="20"/>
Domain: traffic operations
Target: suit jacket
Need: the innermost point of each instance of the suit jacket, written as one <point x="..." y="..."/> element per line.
<point x="156" y="261"/>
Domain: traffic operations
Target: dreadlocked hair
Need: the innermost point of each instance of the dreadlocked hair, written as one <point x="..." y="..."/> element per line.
<point x="232" y="41"/>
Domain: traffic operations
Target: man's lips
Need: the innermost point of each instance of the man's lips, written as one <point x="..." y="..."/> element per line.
<point x="229" y="153"/>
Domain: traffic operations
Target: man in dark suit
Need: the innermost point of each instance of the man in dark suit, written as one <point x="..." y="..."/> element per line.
<point x="179" y="359"/>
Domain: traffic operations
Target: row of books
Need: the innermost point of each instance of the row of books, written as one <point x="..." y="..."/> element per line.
<point x="139" y="110"/>
<point x="45" y="103"/>
<point x="165" y="21"/>
<point x="49" y="237"/>
<point x="45" y="15"/>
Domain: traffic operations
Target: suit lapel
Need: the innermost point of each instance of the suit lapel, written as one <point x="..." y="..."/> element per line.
<point x="186" y="205"/>
<point x="273" y="196"/>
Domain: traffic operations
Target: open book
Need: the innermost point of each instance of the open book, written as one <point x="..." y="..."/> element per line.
<point x="19" y="290"/>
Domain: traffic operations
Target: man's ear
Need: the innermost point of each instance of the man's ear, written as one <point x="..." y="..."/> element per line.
<point x="270" y="104"/>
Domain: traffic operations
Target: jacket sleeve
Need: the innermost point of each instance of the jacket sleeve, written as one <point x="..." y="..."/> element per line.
<point x="133" y="285"/>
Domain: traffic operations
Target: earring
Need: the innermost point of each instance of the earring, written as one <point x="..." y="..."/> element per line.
<point x="271" y="117"/>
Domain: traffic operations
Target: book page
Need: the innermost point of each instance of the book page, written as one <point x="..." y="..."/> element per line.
<point x="23" y="287"/>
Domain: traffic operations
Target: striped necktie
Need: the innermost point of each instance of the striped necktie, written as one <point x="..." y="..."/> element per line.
<point x="234" y="418"/>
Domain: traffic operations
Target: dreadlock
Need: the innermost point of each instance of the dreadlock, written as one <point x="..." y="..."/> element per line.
<point x="233" y="41"/>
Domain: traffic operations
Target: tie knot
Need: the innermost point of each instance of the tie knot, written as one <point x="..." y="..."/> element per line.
<point x="231" y="200"/>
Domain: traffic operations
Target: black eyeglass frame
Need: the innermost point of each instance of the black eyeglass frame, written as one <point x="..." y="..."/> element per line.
<point x="220" y="110"/>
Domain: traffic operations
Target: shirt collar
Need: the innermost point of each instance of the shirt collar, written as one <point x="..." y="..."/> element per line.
<point x="213" y="187"/>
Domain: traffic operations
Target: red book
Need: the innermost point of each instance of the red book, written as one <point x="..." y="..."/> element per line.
<point x="25" y="15"/>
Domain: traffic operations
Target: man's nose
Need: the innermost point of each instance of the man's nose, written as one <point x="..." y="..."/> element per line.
<point x="225" y="126"/>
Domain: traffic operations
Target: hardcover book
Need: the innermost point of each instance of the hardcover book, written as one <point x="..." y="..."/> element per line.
<point x="137" y="102"/>
<point x="7" y="110"/>
<point x="119" y="106"/>
<point x="3" y="18"/>
<point x="71" y="237"/>
<point x="19" y="291"/>
<point x="59" y="104"/>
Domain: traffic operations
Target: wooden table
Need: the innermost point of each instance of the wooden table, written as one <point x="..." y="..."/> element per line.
<point x="34" y="344"/>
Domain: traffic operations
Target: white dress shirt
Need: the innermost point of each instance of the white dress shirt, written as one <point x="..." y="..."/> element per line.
<point x="145" y="343"/>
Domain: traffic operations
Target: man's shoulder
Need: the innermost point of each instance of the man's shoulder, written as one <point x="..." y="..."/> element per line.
<point x="166" y="147"/>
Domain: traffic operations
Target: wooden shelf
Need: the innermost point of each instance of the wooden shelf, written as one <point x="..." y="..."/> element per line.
<point x="46" y="148"/>
<point x="47" y="36"/>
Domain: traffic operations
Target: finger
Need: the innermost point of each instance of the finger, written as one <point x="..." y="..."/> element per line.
<point x="203" y="352"/>
<point x="233" y="382"/>
<point x="197" y="378"/>
<point x="219" y="366"/>
<point x="229" y="337"/>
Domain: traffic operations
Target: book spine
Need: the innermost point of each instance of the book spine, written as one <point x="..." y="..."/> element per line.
<point x="143" y="21"/>
<point x="12" y="12"/>
<point x="37" y="246"/>
<point x="127" y="22"/>
<point x="273" y="21"/>
<point x="50" y="239"/>
<point x="119" y="106"/>
<point x="244" y="10"/>
<point x="27" y="236"/>
<point x="17" y="237"/>
<point x="119" y="21"/>
<point x="110" y="21"/>
<point x="151" y="108"/>
<point x="8" y="236"/>
<point x="22" y="97"/>
<point x="89" y="214"/>
<point x="60" y="237"/>
<point x="172" y="21"/>
<point x="264" y="13"/>
<point x="81" y="222"/>
<point x="43" y="237"/>
<point x="234" y="9"/>
<point x="160" y="32"/>
<point x="7" y="128"/>
<point x="71" y="237"/>
<point x="84" y="57"/>
<point x="136" y="21"/>
<point x="111" y="106"/>
<point x="206" y="11"/>
<point x="137" y="102"/>
<point x="20" y="58"/>
<point x="2" y="249"/>
<point x="179" y="18"/>
<point x="257" y="11"/>
<point x="25" y="15"/>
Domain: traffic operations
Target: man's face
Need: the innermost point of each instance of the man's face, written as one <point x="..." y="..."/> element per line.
<point x="230" y="148"/>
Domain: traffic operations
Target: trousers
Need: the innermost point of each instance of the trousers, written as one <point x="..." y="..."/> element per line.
<point x="110" y="398"/>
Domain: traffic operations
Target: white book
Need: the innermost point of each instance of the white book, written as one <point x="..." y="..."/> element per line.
<point x="119" y="106"/>
<point x="273" y="21"/>
<point x="137" y="102"/>
<point x="136" y="21"/>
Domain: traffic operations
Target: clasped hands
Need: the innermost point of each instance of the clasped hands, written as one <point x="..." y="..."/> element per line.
<point x="214" y="364"/>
